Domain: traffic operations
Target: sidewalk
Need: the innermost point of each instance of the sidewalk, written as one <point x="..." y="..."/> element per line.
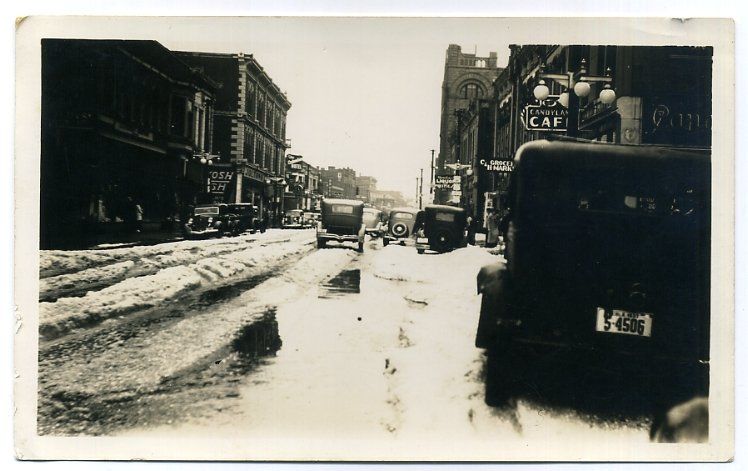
<point x="113" y="235"/>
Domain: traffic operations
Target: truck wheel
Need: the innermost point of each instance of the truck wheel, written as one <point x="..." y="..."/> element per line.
<point x="420" y="251"/>
<point x="321" y="243"/>
<point x="385" y="241"/>
<point x="500" y="379"/>
<point x="361" y="247"/>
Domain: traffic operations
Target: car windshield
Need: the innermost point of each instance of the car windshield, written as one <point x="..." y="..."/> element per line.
<point x="342" y="209"/>
<point x="206" y="211"/>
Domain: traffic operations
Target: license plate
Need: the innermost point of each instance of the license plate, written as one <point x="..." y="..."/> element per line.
<point x="617" y="321"/>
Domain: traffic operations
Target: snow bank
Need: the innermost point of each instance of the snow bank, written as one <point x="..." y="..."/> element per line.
<point x="58" y="262"/>
<point x="168" y="284"/>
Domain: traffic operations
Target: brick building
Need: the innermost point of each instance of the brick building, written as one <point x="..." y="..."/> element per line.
<point x="466" y="77"/>
<point x="364" y="186"/>
<point x="338" y="182"/>
<point x="303" y="189"/>
<point x="123" y="122"/>
<point x="250" y="126"/>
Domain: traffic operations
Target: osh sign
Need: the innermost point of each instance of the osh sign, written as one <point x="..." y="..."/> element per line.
<point x="497" y="165"/>
<point x="443" y="182"/>
<point x="219" y="180"/>
<point x="545" y="118"/>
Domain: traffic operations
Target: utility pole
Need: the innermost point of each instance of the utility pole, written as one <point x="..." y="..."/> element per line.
<point x="431" y="182"/>
<point x="417" y="199"/>
<point x="420" y="192"/>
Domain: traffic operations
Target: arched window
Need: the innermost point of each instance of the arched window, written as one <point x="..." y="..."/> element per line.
<point x="471" y="90"/>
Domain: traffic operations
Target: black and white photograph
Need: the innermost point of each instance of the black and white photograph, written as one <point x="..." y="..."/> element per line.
<point x="375" y="239"/>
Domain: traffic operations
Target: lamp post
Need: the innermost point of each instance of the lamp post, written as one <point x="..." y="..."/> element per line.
<point x="579" y="83"/>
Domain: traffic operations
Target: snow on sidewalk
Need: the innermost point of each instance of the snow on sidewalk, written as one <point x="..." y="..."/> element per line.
<point x="131" y="294"/>
<point x="59" y="262"/>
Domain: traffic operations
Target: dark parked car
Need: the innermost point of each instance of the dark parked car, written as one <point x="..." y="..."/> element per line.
<point x="607" y="255"/>
<point x="208" y="220"/>
<point x="373" y="221"/>
<point x="440" y="228"/>
<point x="246" y="218"/>
<point x="342" y="221"/>
<point x="294" y="219"/>
<point x="400" y="225"/>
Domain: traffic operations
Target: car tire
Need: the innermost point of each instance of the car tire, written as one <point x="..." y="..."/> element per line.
<point x="442" y="241"/>
<point x="420" y="251"/>
<point x="500" y="375"/>
<point x="400" y="230"/>
<point x="321" y="243"/>
<point x="385" y="241"/>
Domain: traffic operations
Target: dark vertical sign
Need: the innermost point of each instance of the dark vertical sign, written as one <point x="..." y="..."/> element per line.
<point x="220" y="178"/>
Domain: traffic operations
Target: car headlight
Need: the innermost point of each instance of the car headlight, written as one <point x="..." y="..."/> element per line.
<point x="210" y="220"/>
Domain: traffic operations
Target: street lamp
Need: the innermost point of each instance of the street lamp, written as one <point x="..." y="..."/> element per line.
<point x="579" y="82"/>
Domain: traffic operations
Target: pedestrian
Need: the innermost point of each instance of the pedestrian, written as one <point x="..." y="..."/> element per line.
<point x="138" y="211"/>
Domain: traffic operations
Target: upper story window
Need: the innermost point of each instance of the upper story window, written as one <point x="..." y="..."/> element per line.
<point x="471" y="90"/>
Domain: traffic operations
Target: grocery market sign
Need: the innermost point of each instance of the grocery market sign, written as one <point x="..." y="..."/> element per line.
<point x="545" y="118"/>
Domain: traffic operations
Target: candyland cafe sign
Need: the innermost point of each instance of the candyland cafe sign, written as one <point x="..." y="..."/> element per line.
<point x="545" y="117"/>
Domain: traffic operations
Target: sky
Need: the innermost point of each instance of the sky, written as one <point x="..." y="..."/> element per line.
<point x="365" y="93"/>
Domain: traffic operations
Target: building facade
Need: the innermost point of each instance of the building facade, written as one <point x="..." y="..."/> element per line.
<point x="466" y="77"/>
<point x="338" y="182"/>
<point x="663" y="96"/>
<point x="303" y="190"/>
<point x="364" y="186"/>
<point x="250" y="127"/>
<point x="124" y="123"/>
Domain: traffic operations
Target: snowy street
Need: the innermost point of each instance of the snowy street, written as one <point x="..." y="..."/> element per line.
<point x="263" y="336"/>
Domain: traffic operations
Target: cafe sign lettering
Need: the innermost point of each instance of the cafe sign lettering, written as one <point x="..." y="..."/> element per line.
<point x="545" y="117"/>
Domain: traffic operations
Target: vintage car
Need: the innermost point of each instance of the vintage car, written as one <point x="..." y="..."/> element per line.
<point x="293" y="219"/>
<point x="342" y="221"/>
<point x="246" y="218"/>
<point x="440" y="228"/>
<point x="373" y="221"/>
<point x="208" y="220"/>
<point x="310" y="218"/>
<point x="399" y="225"/>
<point x="607" y="255"/>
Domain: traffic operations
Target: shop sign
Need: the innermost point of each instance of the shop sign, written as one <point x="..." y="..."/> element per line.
<point x="496" y="165"/>
<point x="219" y="179"/>
<point x="545" y="117"/>
<point x="443" y="182"/>
<point x="677" y="121"/>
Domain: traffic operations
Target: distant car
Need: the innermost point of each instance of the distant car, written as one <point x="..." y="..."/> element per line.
<point x="310" y="219"/>
<point x="399" y="225"/>
<point x="293" y="219"/>
<point x="440" y="228"/>
<point x="607" y="256"/>
<point x="342" y="221"/>
<point x="209" y="220"/>
<point x="373" y="221"/>
<point x="246" y="218"/>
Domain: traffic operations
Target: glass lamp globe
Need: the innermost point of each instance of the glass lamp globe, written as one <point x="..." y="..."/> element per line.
<point x="541" y="91"/>
<point x="563" y="99"/>
<point x="210" y="162"/>
<point x="607" y="95"/>
<point x="469" y="172"/>
<point x="203" y="161"/>
<point x="582" y="89"/>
